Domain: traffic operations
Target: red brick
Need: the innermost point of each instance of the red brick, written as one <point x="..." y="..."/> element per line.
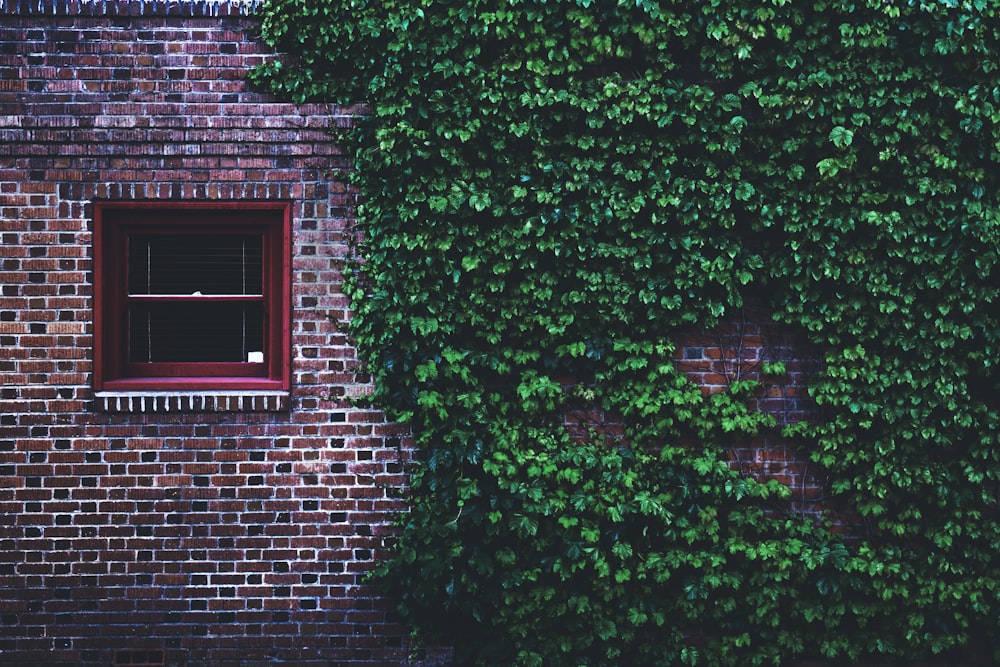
<point x="148" y="514"/>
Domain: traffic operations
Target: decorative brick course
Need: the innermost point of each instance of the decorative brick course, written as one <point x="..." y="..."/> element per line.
<point x="191" y="401"/>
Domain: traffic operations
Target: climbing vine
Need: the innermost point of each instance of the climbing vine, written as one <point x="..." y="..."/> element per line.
<point x="554" y="189"/>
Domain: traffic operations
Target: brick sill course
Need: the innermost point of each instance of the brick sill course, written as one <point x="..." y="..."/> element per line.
<point x="191" y="401"/>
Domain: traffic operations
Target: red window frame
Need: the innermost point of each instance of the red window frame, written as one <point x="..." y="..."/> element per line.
<point x="114" y="222"/>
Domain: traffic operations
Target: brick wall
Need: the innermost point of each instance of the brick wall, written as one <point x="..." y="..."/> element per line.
<point x="234" y="534"/>
<point x="737" y="349"/>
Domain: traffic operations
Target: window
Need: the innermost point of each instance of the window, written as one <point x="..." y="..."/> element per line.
<point x="191" y="296"/>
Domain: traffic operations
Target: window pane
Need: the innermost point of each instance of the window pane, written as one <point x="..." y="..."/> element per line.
<point x="178" y="331"/>
<point x="195" y="264"/>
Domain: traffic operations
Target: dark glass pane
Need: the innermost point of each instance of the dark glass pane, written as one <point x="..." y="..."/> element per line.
<point x="201" y="332"/>
<point x="195" y="263"/>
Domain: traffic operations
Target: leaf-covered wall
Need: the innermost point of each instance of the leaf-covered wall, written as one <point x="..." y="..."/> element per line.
<point x="563" y="189"/>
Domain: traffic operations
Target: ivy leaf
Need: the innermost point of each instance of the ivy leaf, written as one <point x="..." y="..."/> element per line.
<point x="841" y="136"/>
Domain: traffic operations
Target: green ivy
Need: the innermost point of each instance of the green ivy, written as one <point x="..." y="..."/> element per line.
<point x="554" y="190"/>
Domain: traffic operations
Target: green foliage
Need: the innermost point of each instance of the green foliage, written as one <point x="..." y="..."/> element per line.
<point x="552" y="190"/>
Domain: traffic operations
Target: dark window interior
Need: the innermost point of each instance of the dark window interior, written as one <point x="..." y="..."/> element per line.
<point x="191" y="326"/>
<point x="195" y="264"/>
<point x="177" y="331"/>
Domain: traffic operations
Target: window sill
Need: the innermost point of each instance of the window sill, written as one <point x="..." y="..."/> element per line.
<point x="218" y="400"/>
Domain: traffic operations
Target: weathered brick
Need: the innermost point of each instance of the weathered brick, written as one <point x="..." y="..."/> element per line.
<point x="138" y="505"/>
